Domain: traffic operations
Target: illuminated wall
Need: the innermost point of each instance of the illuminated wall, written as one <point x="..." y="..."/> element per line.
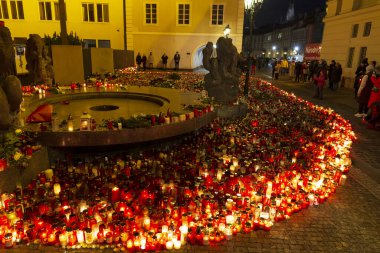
<point x="352" y="32"/>
<point x="167" y="36"/>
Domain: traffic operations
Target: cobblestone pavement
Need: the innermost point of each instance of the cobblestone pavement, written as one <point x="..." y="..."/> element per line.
<point x="349" y="221"/>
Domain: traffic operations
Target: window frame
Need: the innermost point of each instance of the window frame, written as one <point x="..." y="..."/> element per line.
<point x="151" y="13"/>
<point x="17" y="12"/>
<point x="103" y="17"/>
<point x="355" y="31"/>
<point x="87" y="18"/>
<point x="362" y="54"/>
<point x="367" y="29"/>
<point x="100" y="42"/>
<point x="44" y="17"/>
<point x="218" y="5"/>
<point x="178" y="14"/>
<point x="4" y="6"/>
<point x="350" y="55"/>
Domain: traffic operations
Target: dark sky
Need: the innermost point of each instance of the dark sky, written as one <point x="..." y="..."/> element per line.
<point x="273" y="10"/>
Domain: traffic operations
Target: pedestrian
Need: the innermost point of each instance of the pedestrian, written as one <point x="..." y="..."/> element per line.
<point x="164" y="59"/>
<point x="320" y="80"/>
<point x="177" y="58"/>
<point x="364" y="93"/>
<point x="143" y="60"/>
<point x="138" y="61"/>
<point x="330" y="73"/>
<point x="336" y="76"/>
<point x="150" y="60"/>
<point x="273" y="64"/>
<point x="292" y="68"/>
<point x="305" y="68"/>
<point x="298" y="71"/>
<point x="277" y="70"/>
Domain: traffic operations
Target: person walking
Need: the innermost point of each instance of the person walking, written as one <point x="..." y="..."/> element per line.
<point x="164" y="59"/>
<point x="138" y="61"/>
<point x="330" y="73"/>
<point x="177" y="58"/>
<point x="143" y="60"/>
<point x="305" y="69"/>
<point x="298" y="71"/>
<point x="150" y="60"/>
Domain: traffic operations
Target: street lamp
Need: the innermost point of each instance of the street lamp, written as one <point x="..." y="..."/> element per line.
<point x="251" y="6"/>
<point x="227" y="30"/>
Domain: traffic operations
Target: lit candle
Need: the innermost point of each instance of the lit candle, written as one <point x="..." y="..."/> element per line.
<point x="177" y="244"/>
<point x="169" y="245"/>
<point x="63" y="240"/>
<point x="80" y="236"/>
<point x="184" y="230"/>
<point x="49" y="174"/>
<point x="342" y="180"/>
<point x="230" y="220"/>
<point x="206" y="240"/>
<point x="57" y="189"/>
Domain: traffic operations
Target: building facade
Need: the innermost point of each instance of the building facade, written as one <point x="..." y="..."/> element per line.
<point x="352" y="32"/>
<point x="168" y="26"/>
<point x="157" y="26"/>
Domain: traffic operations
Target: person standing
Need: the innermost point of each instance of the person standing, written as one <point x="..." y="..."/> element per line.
<point x="177" y="58"/>
<point x="336" y="76"/>
<point x="138" y="61"/>
<point x="298" y="71"/>
<point x="164" y="59"/>
<point x="143" y="60"/>
<point x="364" y="93"/>
<point x="150" y="60"/>
<point x="320" y="80"/>
<point x="330" y="73"/>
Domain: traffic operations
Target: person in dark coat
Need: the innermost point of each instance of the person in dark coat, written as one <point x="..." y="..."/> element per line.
<point x="138" y="61"/>
<point x="331" y="69"/>
<point x="177" y="58"/>
<point x="364" y="93"/>
<point x="164" y="59"/>
<point x="336" y="76"/>
<point x="298" y="71"/>
<point x="144" y="59"/>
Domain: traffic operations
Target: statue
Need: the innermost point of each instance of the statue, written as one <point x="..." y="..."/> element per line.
<point x="223" y="80"/>
<point x="10" y="85"/>
<point x="38" y="61"/>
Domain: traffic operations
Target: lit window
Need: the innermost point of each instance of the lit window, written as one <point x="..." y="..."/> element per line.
<point x="4" y="10"/>
<point x="351" y="52"/>
<point x="151" y="13"/>
<point x="17" y="9"/>
<point x="367" y="29"/>
<point x="102" y="12"/>
<point x="45" y="11"/>
<point x="279" y="35"/>
<point x="355" y="29"/>
<point x="217" y="13"/>
<point x="269" y="37"/>
<point x="88" y="12"/>
<point x="183" y="14"/>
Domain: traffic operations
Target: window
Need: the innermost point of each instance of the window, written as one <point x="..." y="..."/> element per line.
<point x="4" y="10"/>
<point x="88" y="12"/>
<point x="269" y="37"/>
<point x="355" y="29"/>
<point x="279" y="35"/>
<point x="183" y="14"/>
<point x="339" y="7"/>
<point x="363" y="54"/>
<point x="104" y="43"/>
<point x="351" y="52"/>
<point x="17" y="9"/>
<point x="367" y="29"/>
<point x="56" y="11"/>
<point x="217" y="14"/>
<point x="151" y="13"/>
<point x="45" y="11"/>
<point x="88" y="43"/>
<point x="102" y="12"/>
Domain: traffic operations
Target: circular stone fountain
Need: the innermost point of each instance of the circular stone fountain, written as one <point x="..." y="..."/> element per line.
<point x="111" y="104"/>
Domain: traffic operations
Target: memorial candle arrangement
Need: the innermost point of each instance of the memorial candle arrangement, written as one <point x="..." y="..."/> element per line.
<point x="235" y="176"/>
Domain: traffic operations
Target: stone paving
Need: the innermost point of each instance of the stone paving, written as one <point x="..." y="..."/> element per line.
<point x="349" y="221"/>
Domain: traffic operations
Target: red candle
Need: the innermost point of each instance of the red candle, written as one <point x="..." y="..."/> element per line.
<point x="3" y="164"/>
<point x="115" y="194"/>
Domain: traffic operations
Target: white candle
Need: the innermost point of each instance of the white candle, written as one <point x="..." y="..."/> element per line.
<point x="177" y="244"/>
<point x="169" y="245"/>
<point x="80" y="236"/>
<point x="57" y="189"/>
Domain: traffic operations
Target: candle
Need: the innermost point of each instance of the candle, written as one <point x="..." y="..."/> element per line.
<point x="8" y="240"/>
<point x="342" y="180"/>
<point x="115" y="194"/>
<point x="80" y="236"/>
<point x="206" y="240"/>
<point x="184" y="230"/>
<point x="49" y="174"/>
<point x="177" y="244"/>
<point x="3" y="164"/>
<point x="63" y="240"/>
<point x="230" y="220"/>
<point x="57" y="189"/>
<point x="146" y="223"/>
<point x="169" y="245"/>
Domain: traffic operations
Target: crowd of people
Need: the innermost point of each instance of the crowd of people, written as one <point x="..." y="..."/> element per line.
<point x="143" y="61"/>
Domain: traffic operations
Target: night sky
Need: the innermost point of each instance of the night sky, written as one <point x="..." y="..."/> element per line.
<point x="273" y="10"/>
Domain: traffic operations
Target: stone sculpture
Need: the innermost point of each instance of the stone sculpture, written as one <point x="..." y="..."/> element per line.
<point x="10" y="85"/>
<point x="38" y="61"/>
<point x="223" y="80"/>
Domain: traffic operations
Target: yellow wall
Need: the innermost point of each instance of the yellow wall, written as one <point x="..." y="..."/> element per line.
<point x="337" y="36"/>
<point x="168" y="37"/>
<point x="112" y="30"/>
